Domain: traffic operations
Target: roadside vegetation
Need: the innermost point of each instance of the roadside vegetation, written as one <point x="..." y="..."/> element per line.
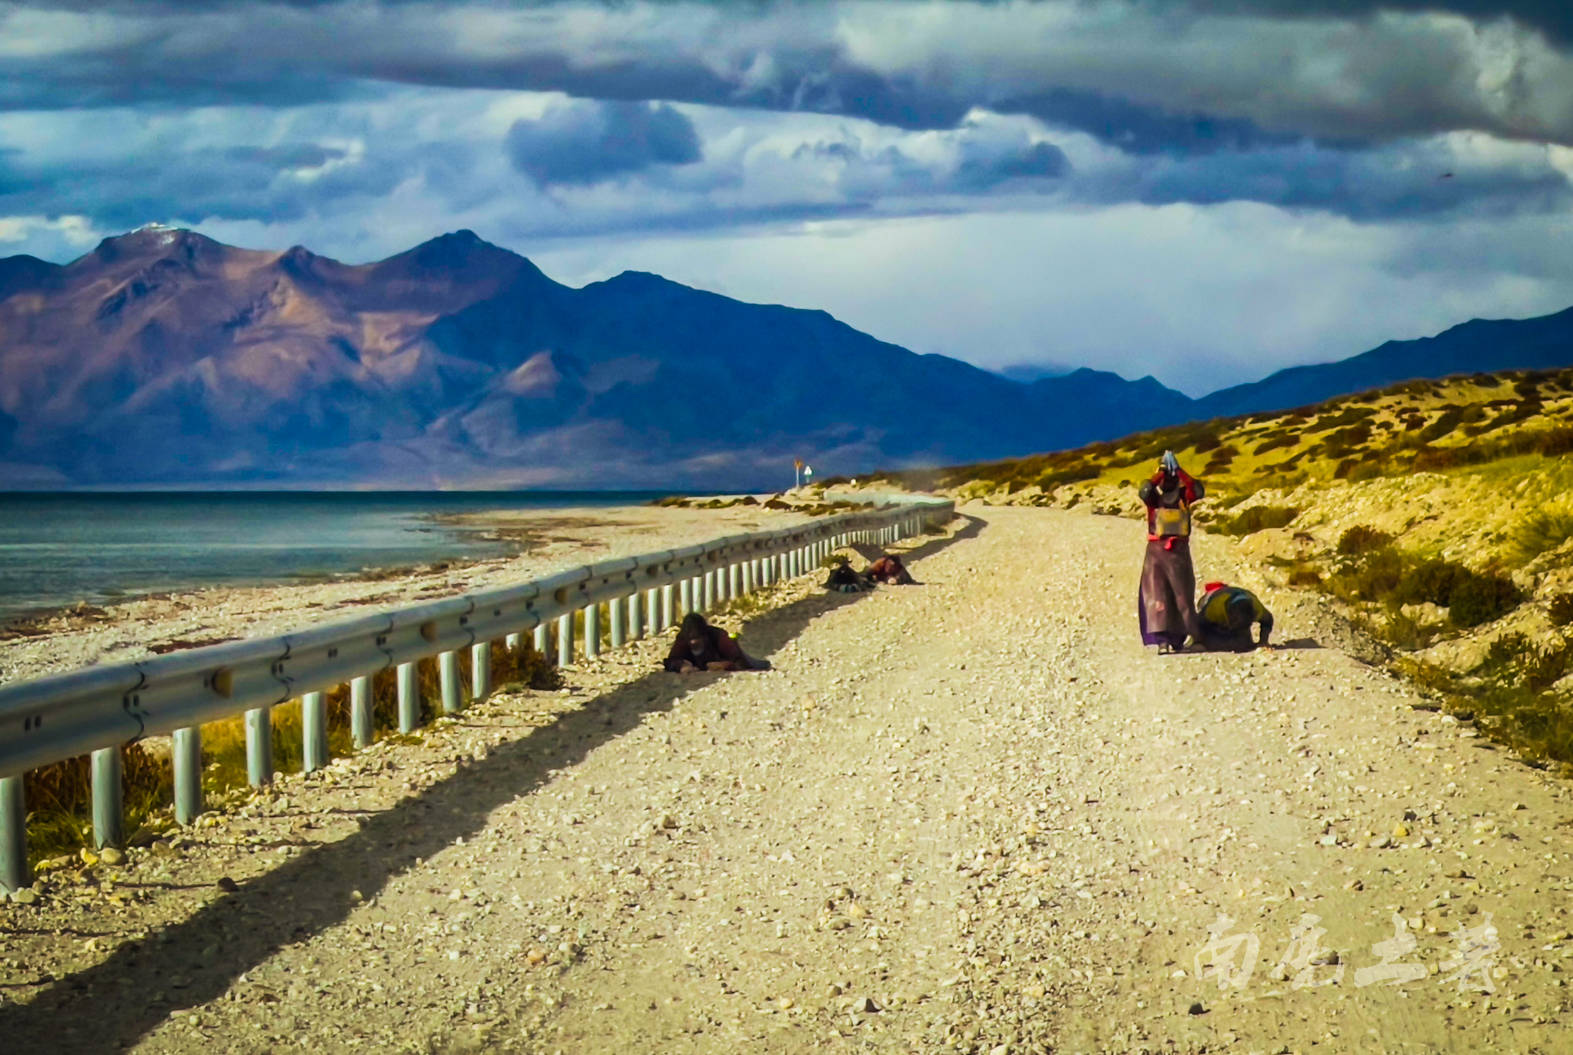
<point x="1437" y="514"/>
<point x="59" y="797"/>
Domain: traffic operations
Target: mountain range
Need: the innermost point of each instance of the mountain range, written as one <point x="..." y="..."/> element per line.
<point x="164" y="358"/>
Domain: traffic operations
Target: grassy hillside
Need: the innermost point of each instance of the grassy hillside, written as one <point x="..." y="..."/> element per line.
<point x="1437" y="514"/>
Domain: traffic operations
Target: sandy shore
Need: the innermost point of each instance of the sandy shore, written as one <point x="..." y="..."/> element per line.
<point x="549" y="541"/>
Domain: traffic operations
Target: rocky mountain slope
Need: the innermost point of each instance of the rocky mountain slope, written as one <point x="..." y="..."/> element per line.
<point x="166" y="357"/>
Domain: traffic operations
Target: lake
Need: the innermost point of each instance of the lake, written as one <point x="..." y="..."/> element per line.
<point x="57" y="549"/>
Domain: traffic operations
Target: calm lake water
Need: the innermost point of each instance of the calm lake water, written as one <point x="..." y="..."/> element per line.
<point x="58" y="549"/>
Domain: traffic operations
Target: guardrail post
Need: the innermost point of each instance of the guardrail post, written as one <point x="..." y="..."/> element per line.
<point x="707" y="601"/>
<point x="592" y="631"/>
<point x="734" y="581"/>
<point x="481" y="670"/>
<point x="259" y="746"/>
<point x="187" y="761"/>
<point x="635" y="622"/>
<point x="667" y="612"/>
<point x="448" y="680"/>
<point x="512" y="642"/>
<point x="109" y="827"/>
<point x="360" y="711"/>
<point x="565" y="639"/>
<point x="314" y="732"/>
<point x="619" y="620"/>
<point x="685" y="597"/>
<point x="409" y="698"/>
<point x="14" y="874"/>
<point x="538" y="639"/>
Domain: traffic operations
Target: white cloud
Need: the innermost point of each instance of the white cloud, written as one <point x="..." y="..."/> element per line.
<point x="1198" y="297"/>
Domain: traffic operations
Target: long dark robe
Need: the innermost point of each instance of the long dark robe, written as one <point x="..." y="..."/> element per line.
<point x="1166" y="601"/>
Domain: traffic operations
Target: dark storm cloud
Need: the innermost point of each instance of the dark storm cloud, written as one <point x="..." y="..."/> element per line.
<point x="1552" y="17"/>
<point x="1286" y="103"/>
<point x="231" y="183"/>
<point x="1139" y="129"/>
<point x="585" y="142"/>
<point x="1411" y="182"/>
<point x="1197" y="76"/>
<point x="292" y="156"/>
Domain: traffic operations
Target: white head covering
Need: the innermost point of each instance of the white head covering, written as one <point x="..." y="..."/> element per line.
<point x="1170" y="463"/>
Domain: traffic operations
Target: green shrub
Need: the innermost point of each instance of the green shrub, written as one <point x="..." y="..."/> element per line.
<point x="1375" y="577"/>
<point x="1258" y="518"/>
<point x="1561" y="609"/>
<point x="1502" y="654"/>
<point x="1405" y="631"/>
<point x="1431" y="581"/>
<point x="1304" y="575"/>
<point x="1347" y="439"/>
<point x="1543" y="668"/>
<point x="1362" y="539"/>
<point x="1541" y="532"/>
<point x="1479" y="599"/>
<point x="1445" y="423"/>
<point x="1368" y="467"/>
<point x="1069" y="475"/>
<point x="1207" y="441"/>
<point x="1557" y="441"/>
<point x="1435" y="459"/>
<point x="1511" y="659"/>
<point x="1276" y="440"/>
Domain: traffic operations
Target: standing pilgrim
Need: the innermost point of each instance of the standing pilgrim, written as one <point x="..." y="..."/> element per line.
<point x="1166" y="602"/>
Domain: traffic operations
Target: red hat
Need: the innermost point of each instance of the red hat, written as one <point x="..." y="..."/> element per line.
<point x="1209" y="587"/>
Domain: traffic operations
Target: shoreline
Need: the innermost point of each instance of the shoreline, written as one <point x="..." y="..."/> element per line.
<point x="544" y="542"/>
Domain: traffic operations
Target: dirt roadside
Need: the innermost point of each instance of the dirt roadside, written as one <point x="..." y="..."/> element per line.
<point x="973" y="815"/>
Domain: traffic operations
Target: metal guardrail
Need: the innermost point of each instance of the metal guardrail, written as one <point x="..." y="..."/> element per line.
<point x="98" y="710"/>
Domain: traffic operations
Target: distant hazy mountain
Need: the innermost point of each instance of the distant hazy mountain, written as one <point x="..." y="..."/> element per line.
<point x="1030" y="372"/>
<point x="164" y="357"/>
<point x="1475" y="347"/>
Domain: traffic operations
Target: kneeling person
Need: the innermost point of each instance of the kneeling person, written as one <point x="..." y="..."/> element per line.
<point x="700" y="646"/>
<point x="1227" y="614"/>
<point x="842" y="579"/>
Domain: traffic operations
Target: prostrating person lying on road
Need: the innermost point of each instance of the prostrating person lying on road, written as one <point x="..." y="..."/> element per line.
<point x="1227" y="615"/>
<point x="889" y="571"/>
<point x="700" y="646"/>
<point x="843" y="579"/>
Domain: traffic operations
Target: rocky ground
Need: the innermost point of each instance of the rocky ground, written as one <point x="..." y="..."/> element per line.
<point x="970" y="815"/>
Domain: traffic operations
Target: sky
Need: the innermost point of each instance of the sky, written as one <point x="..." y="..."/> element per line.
<point x="1200" y="190"/>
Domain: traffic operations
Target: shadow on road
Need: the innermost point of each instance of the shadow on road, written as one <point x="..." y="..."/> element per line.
<point x="118" y="1001"/>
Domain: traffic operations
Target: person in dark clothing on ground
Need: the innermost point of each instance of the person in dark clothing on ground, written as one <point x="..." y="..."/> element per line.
<point x="843" y="579"/>
<point x="700" y="646"/>
<point x="1228" y="613"/>
<point x="1166" y="600"/>
<point x="889" y="571"/>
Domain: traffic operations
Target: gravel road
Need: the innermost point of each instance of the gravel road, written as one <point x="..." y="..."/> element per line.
<point x="970" y="815"/>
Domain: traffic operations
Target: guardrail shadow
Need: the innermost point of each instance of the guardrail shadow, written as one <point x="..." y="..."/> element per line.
<point x="119" y="1000"/>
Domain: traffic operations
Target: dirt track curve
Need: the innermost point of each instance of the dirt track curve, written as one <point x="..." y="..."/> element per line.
<point x="971" y="815"/>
